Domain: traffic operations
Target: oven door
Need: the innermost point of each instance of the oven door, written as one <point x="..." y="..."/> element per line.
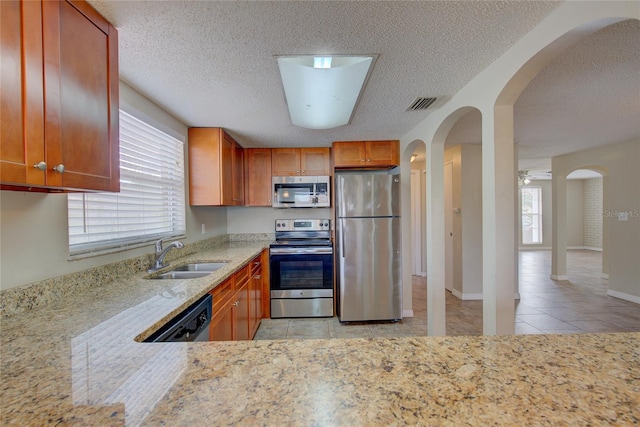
<point x="301" y="272"/>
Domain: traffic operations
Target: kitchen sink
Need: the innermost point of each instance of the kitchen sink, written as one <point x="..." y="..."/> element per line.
<point x="181" y="275"/>
<point x="191" y="271"/>
<point x="201" y="266"/>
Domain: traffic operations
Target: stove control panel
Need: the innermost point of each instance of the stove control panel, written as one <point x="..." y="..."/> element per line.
<point x="302" y="224"/>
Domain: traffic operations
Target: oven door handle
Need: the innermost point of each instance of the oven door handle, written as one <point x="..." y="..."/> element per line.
<point x="282" y="251"/>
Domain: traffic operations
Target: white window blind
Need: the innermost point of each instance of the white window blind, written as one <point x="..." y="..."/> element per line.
<point x="531" y="209"/>
<point x="151" y="201"/>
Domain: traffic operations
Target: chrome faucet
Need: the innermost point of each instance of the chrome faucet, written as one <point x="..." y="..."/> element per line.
<point x="161" y="253"/>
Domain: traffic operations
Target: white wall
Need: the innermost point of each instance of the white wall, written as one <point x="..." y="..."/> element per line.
<point x="33" y="226"/>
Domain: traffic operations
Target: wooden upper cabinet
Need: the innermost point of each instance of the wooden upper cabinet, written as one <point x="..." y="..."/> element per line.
<point x="366" y="154"/>
<point x="257" y="167"/>
<point x="64" y="56"/>
<point x="300" y="161"/>
<point x="215" y="168"/>
<point x="238" y="175"/>
<point x="315" y="161"/>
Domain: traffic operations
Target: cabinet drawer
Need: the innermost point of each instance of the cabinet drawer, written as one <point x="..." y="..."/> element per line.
<point x="256" y="265"/>
<point x="221" y="294"/>
<point x="241" y="276"/>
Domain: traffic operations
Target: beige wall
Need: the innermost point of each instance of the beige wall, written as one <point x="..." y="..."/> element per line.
<point x="466" y="160"/>
<point x="621" y="163"/>
<point x="33" y="226"/>
<point x="242" y="220"/>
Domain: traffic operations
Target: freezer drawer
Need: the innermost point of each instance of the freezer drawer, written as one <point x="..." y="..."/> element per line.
<point x="296" y="307"/>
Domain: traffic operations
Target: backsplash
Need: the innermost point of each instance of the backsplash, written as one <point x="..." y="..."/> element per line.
<point x="38" y="294"/>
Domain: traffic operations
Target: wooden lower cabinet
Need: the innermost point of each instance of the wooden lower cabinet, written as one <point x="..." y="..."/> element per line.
<point x="255" y="296"/>
<point x="241" y="313"/>
<point x="238" y="303"/>
<point x="221" y="327"/>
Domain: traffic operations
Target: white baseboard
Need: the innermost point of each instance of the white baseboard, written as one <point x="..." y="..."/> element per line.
<point x="605" y="276"/>
<point x="622" y="295"/>
<point x="407" y="313"/>
<point x="471" y="297"/>
<point x="548" y="248"/>
<point x="559" y="277"/>
<point x="475" y="297"/>
<point x="534" y="248"/>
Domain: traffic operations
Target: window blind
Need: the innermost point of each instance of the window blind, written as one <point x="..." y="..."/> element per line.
<point x="151" y="201"/>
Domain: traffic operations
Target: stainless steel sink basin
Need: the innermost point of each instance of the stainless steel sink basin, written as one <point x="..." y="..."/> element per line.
<point x="201" y="266"/>
<point x="181" y="275"/>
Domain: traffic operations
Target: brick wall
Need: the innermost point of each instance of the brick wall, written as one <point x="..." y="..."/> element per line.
<point x="592" y="213"/>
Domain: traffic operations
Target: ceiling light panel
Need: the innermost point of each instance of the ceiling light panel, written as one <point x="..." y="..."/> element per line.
<point x="322" y="91"/>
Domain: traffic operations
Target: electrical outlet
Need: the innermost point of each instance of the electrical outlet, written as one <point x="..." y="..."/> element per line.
<point x="204" y="229"/>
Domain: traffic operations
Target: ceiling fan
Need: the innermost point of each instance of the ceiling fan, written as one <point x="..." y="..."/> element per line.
<point x="525" y="176"/>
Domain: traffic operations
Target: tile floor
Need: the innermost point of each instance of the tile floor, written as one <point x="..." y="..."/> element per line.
<point x="578" y="305"/>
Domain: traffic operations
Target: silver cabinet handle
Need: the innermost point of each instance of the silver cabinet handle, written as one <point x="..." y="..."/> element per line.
<point x="42" y="166"/>
<point x="59" y="168"/>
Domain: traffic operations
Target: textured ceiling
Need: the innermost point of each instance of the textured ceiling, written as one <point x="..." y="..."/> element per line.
<point x="211" y="63"/>
<point x="588" y="96"/>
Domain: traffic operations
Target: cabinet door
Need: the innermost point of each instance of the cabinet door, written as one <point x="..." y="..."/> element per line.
<point x="315" y="161"/>
<point x="382" y="153"/>
<point x="256" y="302"/>
<point x="241" y="313"/>
<point x="22" y="119"/>
<point x="226" y="165"/>
<point x="285" y="161"/>
<point x="258" y="177"/>
<point x="238" y="175"/>
<point x="255" y="296"/>
<point x="349" y="154"/>
<point x="266" y="285"/>
<point x="221" y="327"/>
<point x="81" y="91"/>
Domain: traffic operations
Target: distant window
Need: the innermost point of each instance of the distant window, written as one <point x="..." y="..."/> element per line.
<point x="151" y="201"/>
<point x="531" y="215"/>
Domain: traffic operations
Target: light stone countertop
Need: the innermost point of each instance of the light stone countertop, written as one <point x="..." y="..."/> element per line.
<point x="77" y="362"/>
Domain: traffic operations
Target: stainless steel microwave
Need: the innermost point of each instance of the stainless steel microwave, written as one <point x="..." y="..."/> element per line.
<point x="301" y="192"/>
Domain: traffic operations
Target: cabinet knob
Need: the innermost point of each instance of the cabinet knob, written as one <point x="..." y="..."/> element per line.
<point x="368" y="160"/>
<point x="42" y="166"/>
<point x="298" y="172"/>
<point x="59" y="168"/>
<point x="362" y="160"/>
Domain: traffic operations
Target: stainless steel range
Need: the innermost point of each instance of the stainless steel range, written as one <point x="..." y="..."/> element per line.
<point x="301" y="266"/>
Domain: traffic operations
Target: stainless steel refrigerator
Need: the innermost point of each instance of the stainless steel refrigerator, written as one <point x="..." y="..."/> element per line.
<point x="368" y="236"/>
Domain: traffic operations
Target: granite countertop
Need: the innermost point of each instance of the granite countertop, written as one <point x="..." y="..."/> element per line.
<point x="77" y="362"/>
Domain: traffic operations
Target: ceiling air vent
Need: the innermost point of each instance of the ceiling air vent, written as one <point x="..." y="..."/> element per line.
<point x="421" y="104"/>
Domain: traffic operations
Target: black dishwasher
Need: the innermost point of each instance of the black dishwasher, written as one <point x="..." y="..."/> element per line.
<point x="190" y="325"/>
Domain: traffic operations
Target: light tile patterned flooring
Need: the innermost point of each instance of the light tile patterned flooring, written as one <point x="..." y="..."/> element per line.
<point x="578" y="305"/>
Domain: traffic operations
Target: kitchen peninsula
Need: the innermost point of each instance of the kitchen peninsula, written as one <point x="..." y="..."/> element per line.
<point x="79" y="361"/>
